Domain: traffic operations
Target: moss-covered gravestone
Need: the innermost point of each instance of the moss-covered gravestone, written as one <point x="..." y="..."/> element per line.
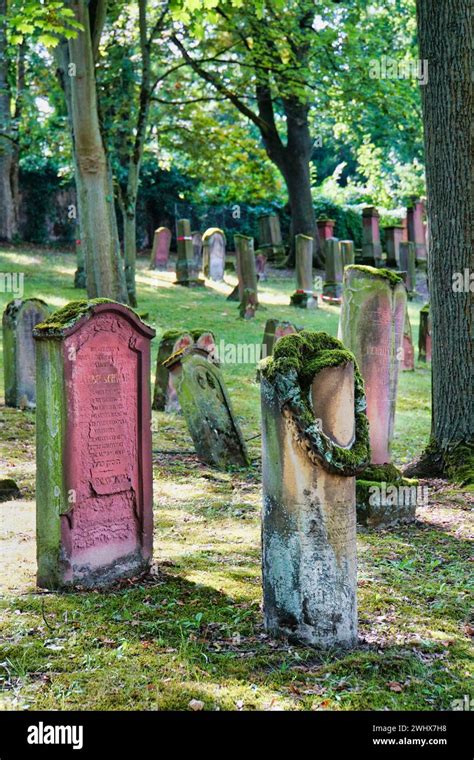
<point x="214" y="254"/>
<point x="274" y="330"/>
<point x="408" y="361"/>
<point x="407" y="264"/>
<point x="424" y="337"/>
<point x="165" y="398"/>
<point x="371" y="326"/>
<point x="187" y="271"/>
<point x="332" y="288"/>
<point x="19" y="319"/>
<point x="207" y="409"/>
<point x="314" y="440"/>
<point x="347" y="252"/>
<point x="93" y="445"/>
<point x="161" y="249"/>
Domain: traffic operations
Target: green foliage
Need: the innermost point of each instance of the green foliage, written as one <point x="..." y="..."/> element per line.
<point x="47" y="23"/>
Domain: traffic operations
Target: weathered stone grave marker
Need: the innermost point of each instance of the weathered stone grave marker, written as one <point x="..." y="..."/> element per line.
<point x="347" y="252"/>
<point x="93" y="445"/>
<point x="416" y="228"/>
<point x="393" y="238"/>
<point x="19" y="319"/>
<point x="161" y="249"/>
<point x="274" y="330"/>
<point x="371" y="247"/>
<point x="197" y="249"/>
<point x="325" y="230"/>
<point x="247" y="275"/>
<point x="165" y="398"/>
<point x="214" y="254"/>
<point x="332" y="288"/>
<point x="207" y="409"/>
<point x="314" y="441"/>
<point x="270" y="238"/>
<point x="407" y="264"/>
<point x="187" y="272"/>
<point x="408" y="361"/>
<point x="304" y="297"/>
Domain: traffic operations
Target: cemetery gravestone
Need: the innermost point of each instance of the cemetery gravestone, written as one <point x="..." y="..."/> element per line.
<point x="424" y="338"/>
<point x="94" y="469"/>
<point x="371" y="248"/>
<point x="332" y="288"/>
<point x="19" y="319"/>
<point x="393" y="238"/>
<point x="304" y="296"/>
<point x="161" y="249"/>
<point x="325" y="230"/>
<point x="347" y="252"/>
<point x="408" y="362"/>
<point x="246" y="273"/>
<point x="371" y="326"/>
<point x="274" y="330"/>
<point x="270" y="238"/>
<point x="165" y="398"/>
<point x="197" y="249"/>
<point x="261" y="266"/>
<point x="186" y="270"/>
<point x="314" y="441"/>
<point x="408" y="264"/>
<point x="207" y="409"/>
<point x="416" y="229"/>
<point x="214" y="254"/>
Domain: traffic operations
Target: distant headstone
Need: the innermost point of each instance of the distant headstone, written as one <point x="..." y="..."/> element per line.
<point x="214" y="254"/>
<point x="19" y="319"/>
<point x="247" y="274"/>
<point x="187" y="272"/>
<point x="304" y="297"/>
<point x="274" y="330"/>
<point x="207" y="409"/>
<point x="325" y="229"/>
<point x="416" y="228"/>
<point x="408" y="361"/>
<point x="161" y="249"/>
<point x="407" y="264"/>
<point x="261" y="265"/>
<point x="371" y="247"/>
<point x="347" y="252"/>
<point x="424" y="337"/>
<point x="165" y="398"/>
<point x="93" y="456"/>
<point x="270" y="238"/>
<point x="371" y="326"/>
<point x="393" y="238"/>
<point x="314" y="440"/>
<point x="332" y="288"/>
<point x="197" y="249"/>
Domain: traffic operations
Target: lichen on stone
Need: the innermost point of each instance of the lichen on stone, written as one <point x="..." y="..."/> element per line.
<point x="296" y="360"/>
<point x="212" y="231"/>
<point x="68" y="315"/>
<point x="384" y="274"/>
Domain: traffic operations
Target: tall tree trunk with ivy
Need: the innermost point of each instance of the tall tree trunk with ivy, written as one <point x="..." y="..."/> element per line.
<point x="104" y="269"/>
<point x="446" y="42"/>
<point x="8" y="210"/>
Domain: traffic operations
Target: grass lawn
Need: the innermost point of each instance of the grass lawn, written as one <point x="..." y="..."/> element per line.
<point x="193" y="628"/>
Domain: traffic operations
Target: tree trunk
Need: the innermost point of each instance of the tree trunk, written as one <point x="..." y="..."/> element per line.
<point x="129" y="214"/>
<point x="303" y="219"/>
<point x="445" y="41"/>
<point x="8" y="214"/>
<point x="104" y="272"/>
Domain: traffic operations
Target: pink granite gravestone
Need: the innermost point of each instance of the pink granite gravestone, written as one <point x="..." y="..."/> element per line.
<point x="371" y="326"/>
<point x="165" y="398"/>
<point x="274" y="330"/>
<point x="94" y="469"/>
<point x="371" y="248"/>
<point x="325" y="229"/>
<point x="161" y="249"/>
<point x="416" y="228"/>
<point x="393" y="238"/>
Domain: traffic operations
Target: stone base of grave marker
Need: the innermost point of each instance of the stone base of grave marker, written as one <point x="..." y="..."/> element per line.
<point x="207" y="409"/>
<point x="93" y="432"/>
<point x="371" y="326"/>
<point x="19" y="319"/>
<point x="165" y="398"/>
<point x="314" y="440"/>
<point x="384" y="498"/>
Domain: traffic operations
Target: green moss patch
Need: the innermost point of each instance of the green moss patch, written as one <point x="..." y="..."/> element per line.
<point x="383" y="274"/>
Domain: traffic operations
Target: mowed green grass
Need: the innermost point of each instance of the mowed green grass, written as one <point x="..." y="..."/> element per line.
<point x="193" y="629"/>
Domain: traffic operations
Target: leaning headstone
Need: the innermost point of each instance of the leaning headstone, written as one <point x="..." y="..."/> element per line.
<point x="197" y="248"/>
<point x="416" y="228"/>
<point x="424" y="336"/>
<point x="93" y="445"/>
<point x="187" y="272"/>
<point x="304" y="296"/>
<point x="407" y="264"/>
<point x="165" y="398"/>
<point x="371" y="247"/>
<point x="314" y="441"/>
<point x="408" y="360"/>
<point x="274" y="330"/>
<point x="19" y="319"/>
<point x="207" y="409"/>
<point x="246" y="273"/>
<point x="332" y="288"/>
<point x="214" y="254"/>
<point x="393" y="238"/>
<point x="347" y="252"/>
<point x="270" y="238"/>
<point x="371" y="326"/>
<point x="161" y="249"/>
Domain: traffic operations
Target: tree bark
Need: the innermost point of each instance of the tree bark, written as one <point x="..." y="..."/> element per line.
<point x="8" y="211"/>
<point x="445" y="41"/>
<point x="104" y="271"/>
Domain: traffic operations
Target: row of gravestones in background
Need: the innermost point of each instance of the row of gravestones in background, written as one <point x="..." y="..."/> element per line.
<point x="94" y="448"/>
